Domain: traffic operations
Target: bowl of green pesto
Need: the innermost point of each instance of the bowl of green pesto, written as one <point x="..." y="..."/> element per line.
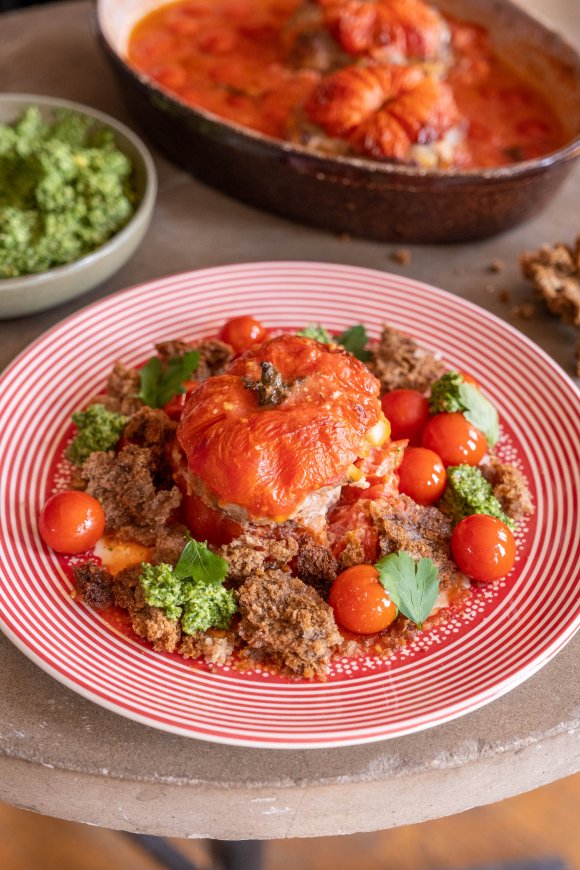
<point x="77" y="192"/>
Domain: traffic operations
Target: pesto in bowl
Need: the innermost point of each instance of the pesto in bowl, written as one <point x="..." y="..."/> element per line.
<point x="75" y="202"/>
<point x="65" y="189"/>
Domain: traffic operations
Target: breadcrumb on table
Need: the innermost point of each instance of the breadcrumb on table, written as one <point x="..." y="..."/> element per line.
<point x="403" y="256"/>
<point x="554" y="272"/>
<point x="525" y="311"/>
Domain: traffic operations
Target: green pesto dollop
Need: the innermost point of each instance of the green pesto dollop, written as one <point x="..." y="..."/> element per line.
<point x="65" y="188"/>
<point x="445" y="396"/>
<point x="468" y="492"/>
<point x="198" y="604"/>
<point x="98" y="429"/>
<point x="317" y="332"/>
<point x="162" y="588"/>
<point x="206" y="606"/>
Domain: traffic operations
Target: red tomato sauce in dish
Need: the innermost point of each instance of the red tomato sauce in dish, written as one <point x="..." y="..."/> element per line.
<point x="231" y="58"/>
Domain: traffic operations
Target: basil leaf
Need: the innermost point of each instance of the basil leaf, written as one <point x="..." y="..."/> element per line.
<point x="480" y="412"/>
<point x="412" y="585"/>
<point x="355" y="340"/>
<point x="160" y="382"/>
<point x="149" y="376"/>
<point x="451" y="394"/>
<point x="198" y="562"/>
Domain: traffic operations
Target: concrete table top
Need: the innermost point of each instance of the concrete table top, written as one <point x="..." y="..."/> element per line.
<point x="64" y="756"/>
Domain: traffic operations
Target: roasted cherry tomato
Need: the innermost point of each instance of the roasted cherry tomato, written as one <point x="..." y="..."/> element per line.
<point x="175" y="406"/>
<point x="360" y="603"/>
<point x="422" y="475"/>
<point x="454" y="439"/>
<point x="71" y="522"/>
<point x="408" y="413"/>
<point x="242" y="333"/>
<point x="207" y="524"/>
<point x="483" y="547"/>
<point x="469" y="379"/>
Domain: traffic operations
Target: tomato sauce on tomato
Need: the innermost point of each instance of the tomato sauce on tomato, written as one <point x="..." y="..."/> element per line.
<point x="227" y="56"/>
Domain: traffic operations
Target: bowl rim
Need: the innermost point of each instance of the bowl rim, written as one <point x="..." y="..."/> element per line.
<point x="522" y="168"/>
<point x="141" y="213"/>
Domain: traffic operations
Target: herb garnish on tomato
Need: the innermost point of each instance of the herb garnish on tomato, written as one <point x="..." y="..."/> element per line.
<point x="450" y="394"/>
<point x="355" y="340"/>
<point x="413" y="585"/>
<point x="161" y="381"/>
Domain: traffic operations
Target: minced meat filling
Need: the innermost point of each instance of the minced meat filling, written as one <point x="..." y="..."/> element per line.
<point x="134" y="508"/>
<point x="401" y="364"/>
<point x="286" y="622"/>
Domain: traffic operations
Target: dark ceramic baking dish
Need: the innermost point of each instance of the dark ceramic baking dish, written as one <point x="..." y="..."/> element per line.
<point x="362" y="197"/>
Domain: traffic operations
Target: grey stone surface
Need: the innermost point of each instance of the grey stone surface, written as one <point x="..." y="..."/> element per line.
<point x="64" y="756"/>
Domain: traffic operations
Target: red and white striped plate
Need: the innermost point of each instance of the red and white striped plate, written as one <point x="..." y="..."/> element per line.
<point x="506" y="632"/>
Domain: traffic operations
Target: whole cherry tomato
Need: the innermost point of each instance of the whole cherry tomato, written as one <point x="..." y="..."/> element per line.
<point x="242" y="333"/>
<point x="483" y="547"/>
<point x="469" y="379"/>
<point x="422" y="475"/>
<point x="71" y="522"/>
<point x="408" y="413"/>
<point x="455" y="439"/>
<point x="174" y="407"/>
<point x="360" y="603"/>
<point x="207" y="524"/>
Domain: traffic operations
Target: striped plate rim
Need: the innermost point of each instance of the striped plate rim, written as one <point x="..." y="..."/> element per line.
<point x="535" y="616"/>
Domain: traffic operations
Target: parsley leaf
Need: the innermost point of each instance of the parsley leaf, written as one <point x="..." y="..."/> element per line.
<point x="198" y="562"/>
<point x="451" y="394"/>
<point x="160" y="382"/>
<point x="317" y="332"/>
<point x="355" y="340"/>
<point x="412" y="585"/>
